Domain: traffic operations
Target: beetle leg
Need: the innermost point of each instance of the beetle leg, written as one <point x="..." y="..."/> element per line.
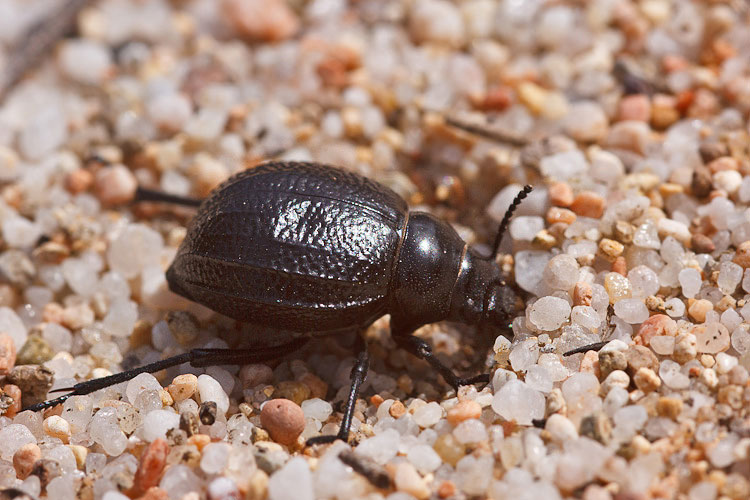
<point x="196" y="357"/>
<point x="144" y="194"/>
<point x="358" y="375"/>
<point x="422" y="349"/>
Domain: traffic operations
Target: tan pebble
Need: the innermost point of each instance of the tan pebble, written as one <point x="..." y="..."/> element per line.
<point x="532" y="96"/>
<point x="700" y="243"/>
<point x="115" y="184"/>
<point x="726" y="302"/>
<point x="669" y="407"/>
<point x="166" y="397"/>
<point x="742" y="255"/>
<point x="141" y="334"/>
<point x="723" y="163"/>
<point x="670" y="188"/>
<point x="664" y="111"/>
<point x="658" y="324"/>
<point x="711" y="338"/>
<point x="7" y="354"/>
<point x="52" y="313"/>
<point x="611" y="248"/>
<point x="255" y="374"/>
<point x="292" y="390"/>
<point x="283" y="419"/>
<point x="701" y="183"/>
<point x="639" y="357"/>
<point x="560" y="194"/>
<point x="646" y="380"/>
<point x="151" y="466"/>
<point x="318" y="387"/>
<point x="698" y="309"/>
<point x="79" y="180"/>
<point x="655" y="304"/>
<point x="80" y="453"/>
<point x="685" y="349"/>
<point x="199" y="440"/>
<point x="14" y="392"/>
<point x="266" y="20"/>
<point x="582" y="294"/>
<point x="24" y="459"/>
<point x="57" y="427"/>
<point x="446" y="489"/>
<point x="352" y="120"/>
<point x="731" y="395"/>
<point x="620" y="266"/>
<point x="634" y="107"/>
<point x="464" y="410"/>
<point x="77" y="316"/>
<point x="183" y="386"/>
<point x="544" y="239"/>
<point x="376" y="400"/>
<point x="407" y="479"/>
<point x="208" y="173"/>
<point x="707" y="360"/>
<point x="588" y="204"/>
<point x="156" y="493"/>
<point x="450" y="450"/>
<point x="709" y="378"/>
<point x="590" y="363"/>
<point x="611" y="360"/>
<point x="397" y="409"/>
<point x="562" y="215"/>
<point x="405" y="383"/>
<point x="624" y="231"/>
<point x="258" y="487"/>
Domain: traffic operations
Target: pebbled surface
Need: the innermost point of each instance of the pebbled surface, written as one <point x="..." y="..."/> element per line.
<point x="298" y="246"/>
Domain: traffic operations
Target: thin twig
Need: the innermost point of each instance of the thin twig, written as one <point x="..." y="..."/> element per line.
<point x="374" y="473"/>
<point x="38" y="41"/>
<point x="487" y="132"/>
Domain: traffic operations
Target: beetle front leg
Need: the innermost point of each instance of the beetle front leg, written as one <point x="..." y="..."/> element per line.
<point x="422" y="349"/>
<point x="358" y="375"/>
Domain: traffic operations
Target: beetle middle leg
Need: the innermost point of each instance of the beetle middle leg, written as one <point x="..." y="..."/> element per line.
<point x="422" y="349"/>
<point x="358" y="375"/>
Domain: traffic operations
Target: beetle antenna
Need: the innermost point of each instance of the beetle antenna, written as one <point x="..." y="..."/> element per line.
<point x="506" y="219"/>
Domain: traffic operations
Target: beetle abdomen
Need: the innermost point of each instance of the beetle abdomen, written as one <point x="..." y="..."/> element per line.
<point x="304" y="247"/>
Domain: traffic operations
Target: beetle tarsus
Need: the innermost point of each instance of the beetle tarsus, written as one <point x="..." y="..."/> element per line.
<point x="358" y="375"/>
<point x="596" y="346"/>
<point x="422" y="349"/>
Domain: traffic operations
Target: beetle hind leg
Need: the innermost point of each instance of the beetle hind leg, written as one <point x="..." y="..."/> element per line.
<point x="196" y="357"/>
<point x="422" y="349"/>
<point x="358" y="375"/>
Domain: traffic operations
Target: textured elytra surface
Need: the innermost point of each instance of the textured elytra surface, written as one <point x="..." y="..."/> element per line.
<point x="303" y="247"/>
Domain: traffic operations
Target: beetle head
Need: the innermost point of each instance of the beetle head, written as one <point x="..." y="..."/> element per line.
<point x="503" y="305"/>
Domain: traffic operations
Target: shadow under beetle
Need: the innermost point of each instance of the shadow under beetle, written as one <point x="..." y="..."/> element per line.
<point x="314" y="250"/>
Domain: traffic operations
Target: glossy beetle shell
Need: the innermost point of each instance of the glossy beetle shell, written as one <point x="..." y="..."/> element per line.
<point x="297" y="246"/>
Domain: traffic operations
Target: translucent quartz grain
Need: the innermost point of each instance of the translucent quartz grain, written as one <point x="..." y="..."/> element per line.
<point x="632" y="311"/>
<point x="14" y="436"/>
<point x="525" y="227"/>
<point x="561" y="272"/>
<point x="517" y="401"/>
<point x="644" y="281"/>
<point x="730" y="275"/>
<point x="549" y="313"/>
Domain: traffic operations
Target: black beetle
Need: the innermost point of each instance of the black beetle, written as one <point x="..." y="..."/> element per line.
<point x="314" y="250"/>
